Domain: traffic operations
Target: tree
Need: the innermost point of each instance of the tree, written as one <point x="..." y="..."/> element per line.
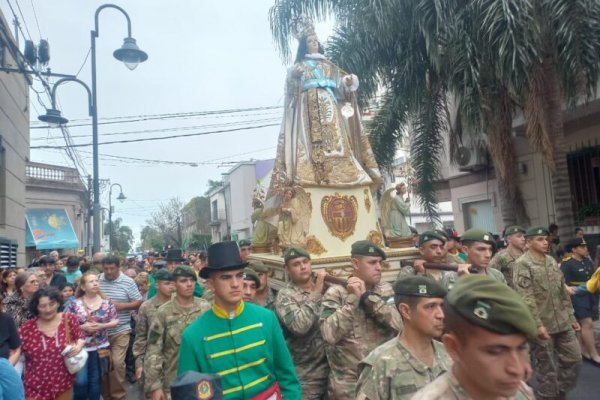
<point x="213" y="185"/>
<point x="151" y="240"/>
<point x="121" y="237"/>
<point x="167" y="222"/>
<point x="199" y="209"/>
<point x="199" y="242"/>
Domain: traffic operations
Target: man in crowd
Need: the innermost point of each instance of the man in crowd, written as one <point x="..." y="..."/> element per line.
<point x="146" y="313"/>
<point x="251" y="284"/>
<point x="504" y="260"/>
<point x="124" y="294"/>
<point x="164" y="336"/>
<point x="240" y="341"/>
<point x="454" y="255"/>
<point x="52" y="277"/>
<point x="71" y="270"/>
<point x="487" y="326"/>
<point x="265" y="295"/>
<point x="173" y="258"/>
<point x="357" y="318"/>
<point x="97" y="262"/>
<point x="245" y="249"/>
<point x="298" y="307"/>
<point x="405" y="364"/>
<point x="432" y="248"/>
<point x="542" y="286"/>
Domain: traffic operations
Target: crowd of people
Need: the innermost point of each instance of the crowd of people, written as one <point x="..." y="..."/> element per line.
<point x="507" y="309"/>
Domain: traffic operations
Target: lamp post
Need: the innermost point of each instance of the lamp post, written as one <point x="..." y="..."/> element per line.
<point x="121" y="197"/>
<point x="131" y="56"/>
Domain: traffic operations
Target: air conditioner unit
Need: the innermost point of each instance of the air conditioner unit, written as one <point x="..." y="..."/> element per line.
<point x="471" y="158"/>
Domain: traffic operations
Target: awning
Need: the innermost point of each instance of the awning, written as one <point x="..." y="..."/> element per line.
<point x="49" y="228"/>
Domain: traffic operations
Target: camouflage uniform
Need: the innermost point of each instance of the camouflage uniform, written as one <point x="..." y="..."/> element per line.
<point x="164" y="338"/>
<point x="450" y="278"/>
<point x="446" y="387"/>
<point x="504" y="261"/>
<point x="392" y="372"/>
<point x="352" y="331"/>
<point x="145" y="317"/>
<point x="271" y="297"/>
<point x="298" y="310"/>
<point x="407" y="271"/>
<point x="542" y="286"/>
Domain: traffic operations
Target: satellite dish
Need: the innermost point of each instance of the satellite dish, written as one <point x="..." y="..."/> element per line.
<point x="463" y="156"/>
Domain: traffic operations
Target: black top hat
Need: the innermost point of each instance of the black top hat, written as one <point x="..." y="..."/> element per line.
<point x="174" y="255"/>
<point x="192" y="385"/>
<point x="223" y="256"/>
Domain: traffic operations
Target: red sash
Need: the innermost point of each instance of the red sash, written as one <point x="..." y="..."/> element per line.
<point x="271" y="393"/>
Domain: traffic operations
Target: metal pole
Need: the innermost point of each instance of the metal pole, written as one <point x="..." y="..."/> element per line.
<point x="110" y="226"/>
<point x="89" y="218"/>
<point x="96" y="205"/>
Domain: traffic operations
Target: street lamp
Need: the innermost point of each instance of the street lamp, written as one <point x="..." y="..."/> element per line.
<point x="121" y="197"/>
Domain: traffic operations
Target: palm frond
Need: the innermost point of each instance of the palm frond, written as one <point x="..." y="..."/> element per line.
<point x="385" y="129"/>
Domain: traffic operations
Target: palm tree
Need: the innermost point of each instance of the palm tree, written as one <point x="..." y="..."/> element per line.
<point x="492" y="58"/>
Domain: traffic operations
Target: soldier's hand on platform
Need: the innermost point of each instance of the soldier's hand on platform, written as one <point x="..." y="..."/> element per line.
<point x="139" y="371"/>
<point x="319" y="281"/>
<point x="419" y="266"/>
<point x="463" y="269"/>
<point x="158" y="394"/>
<point x="576" y="327"/>
<point x="356" y="286"/>
<point x="543" y="333"/>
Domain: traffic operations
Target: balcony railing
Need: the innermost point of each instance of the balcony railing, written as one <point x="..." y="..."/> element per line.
<point x="47" y="173"/>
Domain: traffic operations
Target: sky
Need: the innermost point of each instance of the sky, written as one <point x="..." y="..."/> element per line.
<point x="203" y="56"/>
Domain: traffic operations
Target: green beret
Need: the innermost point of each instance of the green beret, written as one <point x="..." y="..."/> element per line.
<point x="366" y="248"/>
<point x="431" y="235"/>
<point x="184" y="271"/>
<point x="478" y="235"/>
<point x="417" y="286"/>
<point x="295" y="252"/>
<point x="258" y="266"/>
<point x="163" y="275"/>
<point x="250" y="274"/>
<point x="491" y="305"/>
<point x="537" y="231"/>
<point x="511" y="230"/>
<point x="245" y="242"/>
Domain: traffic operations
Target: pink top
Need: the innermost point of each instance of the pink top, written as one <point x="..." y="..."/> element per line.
<point x="46" y="375"/>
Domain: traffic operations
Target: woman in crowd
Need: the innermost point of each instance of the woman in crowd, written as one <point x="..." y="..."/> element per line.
<point x="7" y="282"/>
<point x="11" y="386"/>
<point x="95" y="315"/>
<point x="44" y="339"/>
<point x="67" y="291"/>
<point x="16" y="305"/>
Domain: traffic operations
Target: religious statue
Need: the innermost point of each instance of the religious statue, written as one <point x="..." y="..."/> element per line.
<point x="262" y="229"/>
<point x="395" y="210"/>
<point x="294" y="216"/>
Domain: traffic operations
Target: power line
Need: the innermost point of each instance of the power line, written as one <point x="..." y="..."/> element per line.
<point x="158" y="138"/>
<point x="84" y="61"/>
<point x="36" y="19"/>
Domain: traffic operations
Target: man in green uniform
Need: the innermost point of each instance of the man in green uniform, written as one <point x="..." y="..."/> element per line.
<point x="487" y="326"/>
<point x="542" y="286"/>
<point x="146" y="313"/>
<point x="265" y="295"/>
<point x="400" y="367"/>
<point x="298" y="307"/>
<point x="251" y="284"/>
<point x="173" y="258"/>
<point x="432" y="248"/>
<point x="245" y="248"/>
<point x="164" y="338"/>
<point x="357" y="318"/>
<point x="504" y="260"/>
<point x="240" y="341"/>
<point x="478" y="246"/>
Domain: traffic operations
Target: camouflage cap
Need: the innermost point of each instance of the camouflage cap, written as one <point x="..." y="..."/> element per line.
<point x="537" y="231"/>
<point x="417" y="286"/>
<point x="251" y="275"/>
<point x="258" y="266"/>
<point x="163" y="275"/>
<point x="295" y="252"/>
<point x="184" y="271"/>
<point x="491" y="305"/>
<point x="511" y="230"/>
<point x="366" y="248"/>
<point x="245" y="242"/>
<point x="431" y="235"/>
<point x="478" y="235"/>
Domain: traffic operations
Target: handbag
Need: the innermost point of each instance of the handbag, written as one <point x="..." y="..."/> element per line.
<point x="77" y="362"/>
<point x="104" y="356"/>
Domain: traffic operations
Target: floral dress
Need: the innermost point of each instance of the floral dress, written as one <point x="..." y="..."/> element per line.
<point x="105" y="313"/>
<point x="46" y="375"/>
<point x="17" y="307"/>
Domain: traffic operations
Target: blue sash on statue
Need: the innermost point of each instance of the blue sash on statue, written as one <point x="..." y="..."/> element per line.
<point x="319" y="80"/>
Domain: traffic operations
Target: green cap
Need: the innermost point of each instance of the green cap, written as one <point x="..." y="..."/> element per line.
<point x="511" y="230"/>
<point x="258" y="266"/>
<point x="491" y="305"/>
<point x="366" y="248"/>
<point x="245" y="242"/>
<point x="417" y="286"/>
<point x="537" y="231"/>
<point x="250" y="274"/>
<point x="163" y="275"/>
<point x="295" y="252"/>
<point x="184" y="271"/>
<point x="431" y="235"/>
<point x="478" y="235"/>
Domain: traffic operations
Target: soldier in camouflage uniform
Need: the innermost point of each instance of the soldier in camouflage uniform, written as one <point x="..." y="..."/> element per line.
<point x="357" y="318"/>
<point x="504" y="260"/>
<point x="432" y="248"/>
<point x="298" y="307"/>
<point x="164" y="287"/>
<point x="542" y="285"/>
<point x="478" y="246"/>
<point x="487" y="326"/>
<point x="398" y="368"/>
<point x="265" y="295"/>
<point x="164" y="338"/>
